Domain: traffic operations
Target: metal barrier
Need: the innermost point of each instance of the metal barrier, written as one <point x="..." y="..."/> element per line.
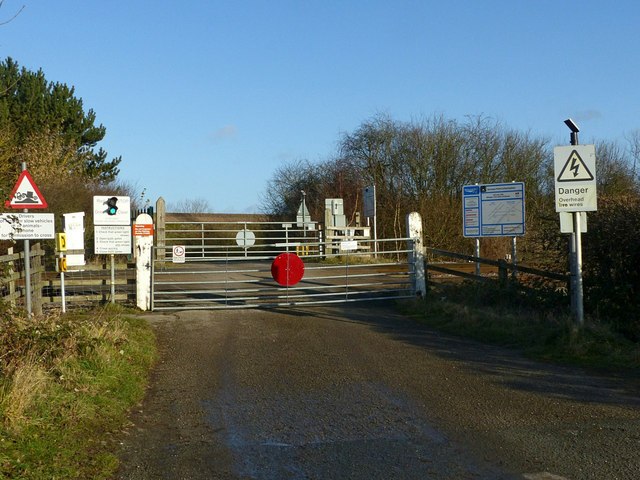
<point x="217" y="274"/>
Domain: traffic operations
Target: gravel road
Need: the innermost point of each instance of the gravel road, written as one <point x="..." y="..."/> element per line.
<point x="364" y="393"/>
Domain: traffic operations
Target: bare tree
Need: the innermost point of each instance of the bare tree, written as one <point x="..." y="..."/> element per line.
<point x="191" y="205"/>
<point x="4" y="22"/>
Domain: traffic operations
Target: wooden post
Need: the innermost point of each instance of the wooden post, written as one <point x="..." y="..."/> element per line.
<point x="38" y="258"/>
<point x="12" y="280"/>
<point x="503" y="273"/>
<point x="161" y="212"/>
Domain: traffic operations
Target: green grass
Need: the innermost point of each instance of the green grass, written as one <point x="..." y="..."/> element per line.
<point x="67" y="383"/>
<point x="535" y="323"/>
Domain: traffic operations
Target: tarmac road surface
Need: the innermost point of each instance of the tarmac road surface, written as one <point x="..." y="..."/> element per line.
<point x="364" y="393"/>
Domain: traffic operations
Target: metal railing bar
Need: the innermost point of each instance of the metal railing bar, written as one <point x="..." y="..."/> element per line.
<point x="282" y="304"/>
<point x="343" y="296"/>
<point x="340" y="287"/>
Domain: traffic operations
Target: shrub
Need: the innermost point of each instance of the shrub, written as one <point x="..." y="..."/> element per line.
<point x="611" y="255"/>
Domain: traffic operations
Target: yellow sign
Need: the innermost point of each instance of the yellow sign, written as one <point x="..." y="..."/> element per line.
<point x="61" y="242"/>
<point x="63" y="264"/>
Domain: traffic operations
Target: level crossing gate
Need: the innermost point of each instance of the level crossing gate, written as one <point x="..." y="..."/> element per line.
<point x="224" y="265"/>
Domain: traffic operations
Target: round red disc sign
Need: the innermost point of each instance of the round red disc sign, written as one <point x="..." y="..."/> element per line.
<point x="287" y="269"/>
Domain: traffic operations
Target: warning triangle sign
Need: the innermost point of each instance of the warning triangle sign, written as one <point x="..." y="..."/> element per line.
<point x="575" y="170"/>
<point x="26" y="194"/>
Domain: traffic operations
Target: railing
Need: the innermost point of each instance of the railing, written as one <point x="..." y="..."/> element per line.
<point x="503" y="269"/>
<point x="216" y="282"/>
<point x="210" y="240"/>
<point x="83" y="285"/>
<point x="13" y="281"/>
<point x="90" y="283"/>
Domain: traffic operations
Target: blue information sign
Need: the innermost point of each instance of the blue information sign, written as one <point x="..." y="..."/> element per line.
<point x="494" y="210"/>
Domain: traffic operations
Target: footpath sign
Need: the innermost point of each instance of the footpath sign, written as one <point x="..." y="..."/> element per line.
<point x="575" y="178"/>
<point x="493" y="210"/>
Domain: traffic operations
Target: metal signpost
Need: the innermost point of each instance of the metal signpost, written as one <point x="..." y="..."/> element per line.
<point x="112" y="228"/>
<point x="26" y="195"/>
<point x="370" y="211"/>
<point x="575" y="191"/>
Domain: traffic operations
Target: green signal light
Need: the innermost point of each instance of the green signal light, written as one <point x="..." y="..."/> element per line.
<point x="112" y="207"/>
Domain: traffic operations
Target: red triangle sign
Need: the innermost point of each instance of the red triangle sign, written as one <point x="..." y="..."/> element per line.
<point x="26" y="194"/>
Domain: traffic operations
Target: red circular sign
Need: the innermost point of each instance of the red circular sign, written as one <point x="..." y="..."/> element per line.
<point x="287" y="269"/>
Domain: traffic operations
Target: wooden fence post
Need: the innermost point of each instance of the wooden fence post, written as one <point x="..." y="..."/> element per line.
<point x="161" y="211"/>
<point x="36" y="273"/>
<point x="503" y="273"/>
<point x="12" y="281"/>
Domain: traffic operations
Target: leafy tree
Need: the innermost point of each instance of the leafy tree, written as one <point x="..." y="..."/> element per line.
<point x="36" y="111"/>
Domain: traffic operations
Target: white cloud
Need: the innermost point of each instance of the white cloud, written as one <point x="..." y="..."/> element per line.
<point x="228" y="131"/>
<point x="586" y="115"/>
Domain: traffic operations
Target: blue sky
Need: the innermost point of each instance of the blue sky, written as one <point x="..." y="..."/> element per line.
<point x="205" y="99"/>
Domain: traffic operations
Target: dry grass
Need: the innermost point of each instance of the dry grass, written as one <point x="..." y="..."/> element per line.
<point x="65" y="382"/>
<point x="18" y="397"/>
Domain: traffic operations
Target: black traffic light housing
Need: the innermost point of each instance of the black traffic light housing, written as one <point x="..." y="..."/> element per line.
<point x="112" y="207"/>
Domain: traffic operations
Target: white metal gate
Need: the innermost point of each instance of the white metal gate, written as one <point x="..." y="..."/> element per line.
<point x="228" y="265"/>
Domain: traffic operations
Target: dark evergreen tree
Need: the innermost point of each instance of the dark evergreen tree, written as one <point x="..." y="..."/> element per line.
<point x="30" y="105"/>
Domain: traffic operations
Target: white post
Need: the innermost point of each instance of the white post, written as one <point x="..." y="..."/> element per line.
<point x="113" y="279"/>
<point x="416" y="255"/>
<point x="478" y="256"/>
<point x="143" y="246"/>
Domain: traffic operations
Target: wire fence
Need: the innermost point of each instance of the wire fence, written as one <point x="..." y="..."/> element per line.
<point x="83" y="285"/>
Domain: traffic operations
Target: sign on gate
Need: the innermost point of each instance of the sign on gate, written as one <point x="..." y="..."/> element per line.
<point x="245" y="238"/>
<point x="178" y="255"/>
<point x="287" y="269"/>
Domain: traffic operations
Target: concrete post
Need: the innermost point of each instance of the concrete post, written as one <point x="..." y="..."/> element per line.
<point x="416" y="255"/>
<point x="143" y="247"/>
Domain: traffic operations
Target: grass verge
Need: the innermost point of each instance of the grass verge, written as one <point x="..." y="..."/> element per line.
<point x="534" y="323"/>
<point x="67" y="383"/>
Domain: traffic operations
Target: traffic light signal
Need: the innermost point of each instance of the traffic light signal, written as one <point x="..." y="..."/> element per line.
<point x="112" y="207"/>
